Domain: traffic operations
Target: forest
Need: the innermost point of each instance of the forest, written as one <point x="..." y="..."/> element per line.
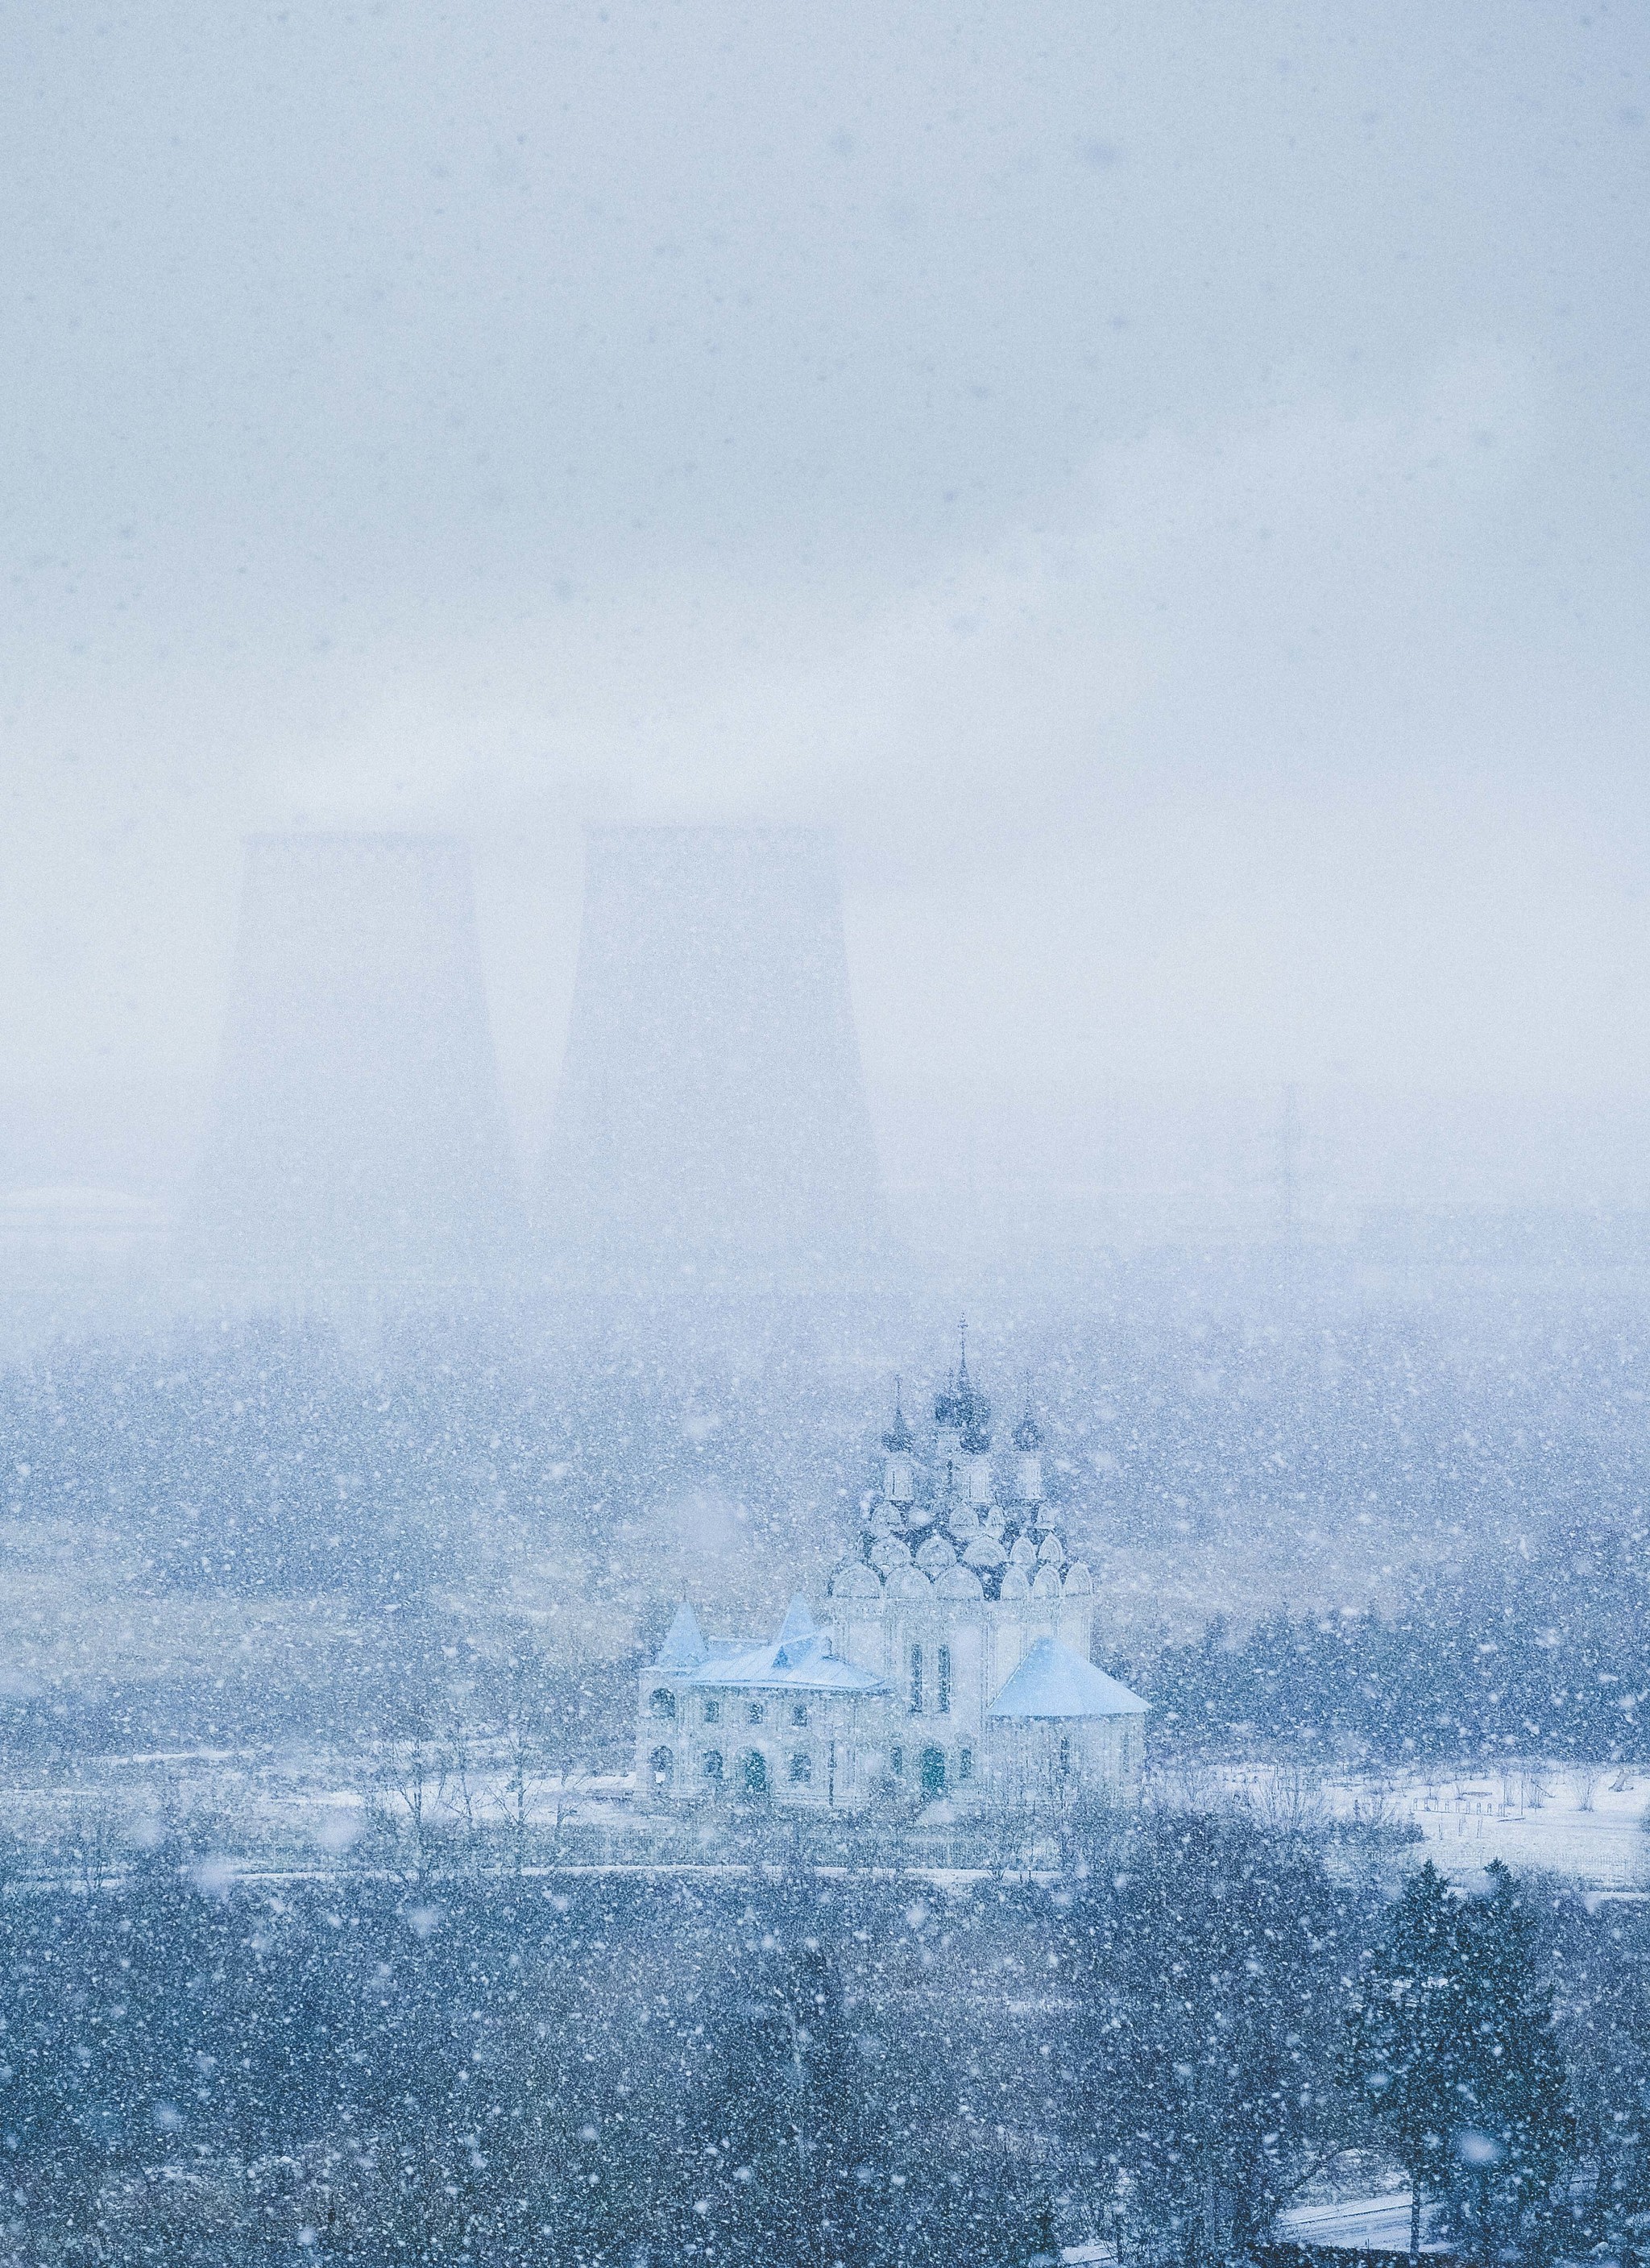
<point x="1155" y="2044"/>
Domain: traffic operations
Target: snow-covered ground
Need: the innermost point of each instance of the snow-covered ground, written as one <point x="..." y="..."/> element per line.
<point x="308" y="1808"/>
<point x="1583" y="1820"/>
<point x="300" y="1809"/>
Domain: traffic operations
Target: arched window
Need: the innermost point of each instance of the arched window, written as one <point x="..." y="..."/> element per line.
<point x="798" y="1712"/>
<point x="755" y="1772"/>
<point x="712" y="1713"/>
<point x="752" y="1712"/>
<point x="712" y="1766"/>
<point x="662" y="1765"/>
<point x="917" y="1681"/>
<point x="942" y="1678"/>
<point x="662" y="1703"/>
<point x="933" y="1772"/>
<point x="801" y="1769"/>
<point x="965" y="1763"/>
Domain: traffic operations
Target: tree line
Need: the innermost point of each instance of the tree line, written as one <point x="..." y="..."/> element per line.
<point x="1159" y="2046"/>
<point x="1545" y="1654"/>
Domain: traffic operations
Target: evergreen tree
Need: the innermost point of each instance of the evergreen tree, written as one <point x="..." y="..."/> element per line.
<point x="1201" y="1972"/>
<point x="1514" y="2128"/>
<point x="774" y="2119"/>
<point x="1405" y="2046"/>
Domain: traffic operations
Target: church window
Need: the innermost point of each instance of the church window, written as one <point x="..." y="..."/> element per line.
<point x="712" y="1765"/>
<point x="752" y="1712"/>
<point x="917" y="1681"/>
<point x="662" y="1703"/>
<point x="942" y="1670"/>
<point x="712" y="1713"/>
<point x="801" y="1769"/>
<point x="798" y="1712"/>
<point x="965" y="1763"/>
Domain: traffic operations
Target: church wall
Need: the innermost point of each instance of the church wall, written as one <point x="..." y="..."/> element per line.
<point x="1049" y="1761"/>
<point x="1008" y="1646"/>
<point x="857" y="1633"/>
<point x="841" y="1733"/>
<point x="967" y="1647"/>
<point x="1077" y="1626"/>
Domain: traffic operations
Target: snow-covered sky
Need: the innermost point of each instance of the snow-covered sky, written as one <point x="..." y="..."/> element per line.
<point x="1168" y="483"/>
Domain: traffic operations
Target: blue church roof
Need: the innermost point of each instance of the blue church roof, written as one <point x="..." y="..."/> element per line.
<point x="684" y="1646"/>
<point x="1052" y="1680"/>
<point x="799" y="1659"/>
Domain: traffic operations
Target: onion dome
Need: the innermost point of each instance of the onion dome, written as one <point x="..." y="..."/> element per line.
<point x="1028" y="1434"/>
<point x="898" y="1439"/>
<point x="963" y="1407"/>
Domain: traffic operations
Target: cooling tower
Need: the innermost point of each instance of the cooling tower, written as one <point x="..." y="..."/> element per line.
<point x="710" y="1121"/>
<point x="360" y="1137"/>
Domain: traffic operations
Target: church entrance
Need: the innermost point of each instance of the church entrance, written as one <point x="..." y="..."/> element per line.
<point x="755" y="1773"/>
<point x="934" y="1770"/>
<point x="663" y="1765"/>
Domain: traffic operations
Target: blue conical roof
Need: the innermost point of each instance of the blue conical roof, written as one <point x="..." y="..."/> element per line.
<point x="684" y="1646"/>
<point x="897" y="1441"/>
<point x="1052" y="1680"/>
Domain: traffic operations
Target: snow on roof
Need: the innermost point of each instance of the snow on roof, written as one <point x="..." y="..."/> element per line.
<point x="810" y="1664"/>
<point x="1052" y="1680"/>
<point x="1365" y="2224"/>
<point x="684" y="1646"/>
<point x="799" y="1658"/>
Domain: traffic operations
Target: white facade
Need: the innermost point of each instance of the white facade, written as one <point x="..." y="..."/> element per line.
<point x="787" y="1721"/>
<point x="954" y="1659"/>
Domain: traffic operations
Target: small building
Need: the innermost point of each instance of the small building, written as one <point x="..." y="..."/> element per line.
<point x="952" y="1660"/>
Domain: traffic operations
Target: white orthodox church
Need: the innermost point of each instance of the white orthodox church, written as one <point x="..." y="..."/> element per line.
<point x="951" y="1659"/>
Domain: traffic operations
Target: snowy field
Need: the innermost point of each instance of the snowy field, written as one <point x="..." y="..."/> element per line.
<point x="1583" y="1820"/>
<point x="305" y="1809"/>
<point x="301" y="1810"/>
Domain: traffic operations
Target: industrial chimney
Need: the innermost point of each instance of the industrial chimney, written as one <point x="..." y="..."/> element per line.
<point x="360" y="1139"/>
<point x="711" y="1124"/>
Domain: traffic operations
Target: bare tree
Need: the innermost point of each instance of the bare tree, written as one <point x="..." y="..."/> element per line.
<point x="543" y="1778"/>
<point x="404" y="1803"/>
